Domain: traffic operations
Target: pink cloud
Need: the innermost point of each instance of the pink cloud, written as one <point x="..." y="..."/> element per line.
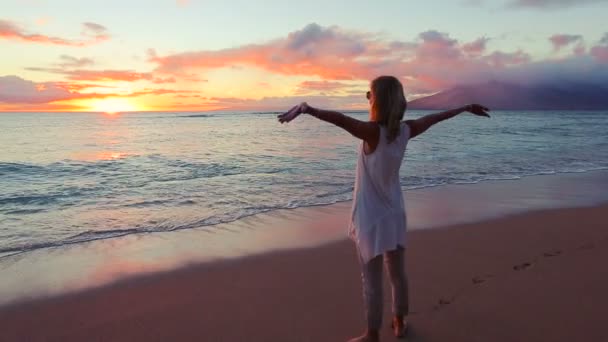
<point x="94" y="33"/>
<point x="561" y="40"/>
<point x="320" y="86"/>
<point x="600" y="51"/>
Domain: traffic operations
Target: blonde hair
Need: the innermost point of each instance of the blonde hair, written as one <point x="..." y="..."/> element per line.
<point x="388" y="104"/>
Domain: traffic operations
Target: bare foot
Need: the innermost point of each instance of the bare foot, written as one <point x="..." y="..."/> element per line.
<point x="399" y="327"/>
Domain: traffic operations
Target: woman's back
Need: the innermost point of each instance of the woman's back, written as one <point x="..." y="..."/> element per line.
<point x="378" y="214"/>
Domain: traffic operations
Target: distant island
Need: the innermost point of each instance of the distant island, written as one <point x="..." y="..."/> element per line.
<point x="510" y="96"/>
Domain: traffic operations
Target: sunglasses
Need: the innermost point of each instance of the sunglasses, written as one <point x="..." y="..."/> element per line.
<point x="368" y="95"/>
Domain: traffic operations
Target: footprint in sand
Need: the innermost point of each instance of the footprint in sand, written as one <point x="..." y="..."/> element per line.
<point x="481" y="279"/>
<point x="441" y="303"/>
<point x="522" y="266"/>
<point x="589" y="245"/>
<point x="552" y="254"/>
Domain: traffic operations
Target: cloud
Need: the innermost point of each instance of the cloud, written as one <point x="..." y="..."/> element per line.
<point x="477" y="47"/>
<point x="94" y="33"/>
<point x="500" y="59"/>
<point x="73" y="62"/>
<point x="314" y="50"/>
<point x="182" y="3"/>
<point x="573" y="70"/>
<point x="550" y="4"/>
<point x="432" y="62"/>
<point x="561" y="40"/>
<point x="283" y="103"/>
<point x="41" y="21"/>
<point x="16" y="90"/>
<point x="105" y="75"/>
<point x="330" y="53"/>
<point x="600" y="51"/>
<point x="326" y="87"/>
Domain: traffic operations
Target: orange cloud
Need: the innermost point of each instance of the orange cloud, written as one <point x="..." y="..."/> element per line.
<point x="94" y="33"/>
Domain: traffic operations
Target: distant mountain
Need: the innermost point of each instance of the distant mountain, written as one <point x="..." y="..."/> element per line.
<point x="509" y="96"/>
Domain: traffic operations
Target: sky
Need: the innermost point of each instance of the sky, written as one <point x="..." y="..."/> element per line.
<point x="196" y="55"/>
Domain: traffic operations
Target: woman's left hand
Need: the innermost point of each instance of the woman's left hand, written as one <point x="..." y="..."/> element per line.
<point x="294" y="112"/>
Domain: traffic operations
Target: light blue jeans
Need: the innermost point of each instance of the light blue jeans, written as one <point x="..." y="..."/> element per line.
<point x="371" y="274"/>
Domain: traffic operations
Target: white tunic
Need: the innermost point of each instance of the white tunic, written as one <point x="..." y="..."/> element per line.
<point x="378" y="222"/>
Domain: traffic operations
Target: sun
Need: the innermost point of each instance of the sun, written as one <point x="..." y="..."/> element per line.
<point x="112" y="106"/>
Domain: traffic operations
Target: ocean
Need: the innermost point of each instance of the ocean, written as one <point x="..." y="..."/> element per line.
<point x="68" y="178"/>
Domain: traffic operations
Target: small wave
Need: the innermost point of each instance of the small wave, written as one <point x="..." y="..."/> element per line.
<point x="79" y="238"/>
<point x="10" y="168"/>
<point x="30" y="200"/>
<point x="196" y="116"/>
<point x="266" y="113"/>
<point x="144" y="204"/>
<point x="24" y="211"/>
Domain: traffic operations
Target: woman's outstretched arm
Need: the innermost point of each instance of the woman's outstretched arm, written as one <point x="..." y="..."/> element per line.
<point x="420" y="125"/>
<point x="364" y="130"/>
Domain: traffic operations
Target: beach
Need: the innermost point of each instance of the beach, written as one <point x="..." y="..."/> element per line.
<point x="537" y="276"/>
<point x="187" y="172"/>
<point x="524" y="260"/>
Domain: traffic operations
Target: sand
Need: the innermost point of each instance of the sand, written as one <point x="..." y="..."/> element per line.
<point x="539" y="276"/>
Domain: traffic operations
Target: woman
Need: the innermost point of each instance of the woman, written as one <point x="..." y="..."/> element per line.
<point x="378" y="221"/>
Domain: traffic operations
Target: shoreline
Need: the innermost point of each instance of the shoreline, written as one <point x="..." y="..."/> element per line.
<point x="531" y="276"/>
<point x="54" y="271"/>
<point x="67" y="244"/>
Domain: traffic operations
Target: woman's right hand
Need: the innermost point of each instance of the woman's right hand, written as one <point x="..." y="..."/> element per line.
<point x="477" y="109"/>
<point x="294" y="112"/>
